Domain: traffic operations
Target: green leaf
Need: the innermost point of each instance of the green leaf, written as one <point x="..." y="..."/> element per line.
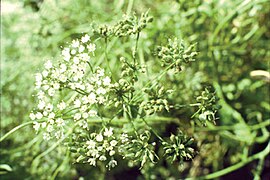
<point x="5" y="168"/>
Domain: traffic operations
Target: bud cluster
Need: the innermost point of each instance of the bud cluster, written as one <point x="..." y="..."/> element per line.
<point x="208" y="106"/>
<point x="157" y="100"/>
<point x="138" y="149"/>
<point x="125" y="27"/>
<point x="175" y="54"/>
<point x="179" y="148"/>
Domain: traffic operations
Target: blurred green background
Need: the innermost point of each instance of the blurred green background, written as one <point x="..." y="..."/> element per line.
<point x="232" y="39"/>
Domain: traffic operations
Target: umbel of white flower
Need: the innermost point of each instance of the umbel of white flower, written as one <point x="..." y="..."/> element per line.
<point x="72" y="75"/>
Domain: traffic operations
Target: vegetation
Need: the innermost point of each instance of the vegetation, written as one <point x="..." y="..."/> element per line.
<point x="116" y="89"/>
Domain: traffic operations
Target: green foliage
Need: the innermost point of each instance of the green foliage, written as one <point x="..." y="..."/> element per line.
<point x="148" y="101"/>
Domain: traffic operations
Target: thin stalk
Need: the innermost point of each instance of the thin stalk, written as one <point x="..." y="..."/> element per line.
<point x="51" y="148"/>
<point x="160" y="138"/>
<point x="106" y="56"/>
<point x="61" y="165"/>
<point x="260" y="155"/>
<point x="129" y="8"/>
<point x="151" y="81"/>
<point x="219" y="128"/>
<point x="17" y="128"/>
<point x="136" y="48"/>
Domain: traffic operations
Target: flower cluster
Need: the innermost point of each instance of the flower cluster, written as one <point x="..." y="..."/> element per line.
<point x="175" y="54"/>
<point x="131" y="24"/>
<point x="74" y="93"/>
<point x="70" y="74"/>
<point x="208" y="106"/>
<point x="138" y="149"/>
<point x="179" y="147"/>
<point x="99" y="147"/>
<point x="125" y="27"/>
<point x="157" y="100"/>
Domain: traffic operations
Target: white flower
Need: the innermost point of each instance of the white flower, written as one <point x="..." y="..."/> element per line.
<point x="83" y="108"/>
<point x="92" y="98"/>
<point x="91" y="144"/>
<point x="46" y="136"/>
<point x="60" y="122"/>
<point x="75" y="43"/>
<point x="66" y="54"/>
<point x="76" y="60"/>
<point x="112" y="152"/>
<point x="107" y="81"/>
<point x="102" y="158"/>
<point x="38" y="77"/>
<point x="100" y="72"/>
<point x="77" y="116"/>
<point x="95" y="153"/>
<point x="39" y="115"/>
<point x="101" y="99"/>
<point x="77" y="103"/>
<point x="85" y="38"/>
<point x="92" y="113"/>
<point x="63" y="68"/>
<point x="51" y="121"/>
<point x="113" y="143"/>
<point x="73" y="51"/>
<point x="81" y="48"/>
<point x="61" y="106"/>
<point x="45" y="113"/>
<point x="51" y="115"/>
<point x="112" y="164"/>
<point x="101" y="91"/>
<point x="124" y="138"/>
<point x="46" y="87"/>
<point x="63" y="78"/>
<point x="32" y="116"/>
<point x="84" y="57"/>
<point x="58" y="134"/>
<point x="89" y="87"/>
<point x="108" y="132"/>
<point x="43" y="125"/>
<point x="51" y="92"/>
<point x="49" y="128"/>
<point x="36" y="125"/>
<point x="56" y="85"/>
<point x="45" y="73"/>
<point x="99" y="138"/>
<point x="40" y="95"/>
<point x="91" y="47"/>
<point x="85" y="115"/>
<point x="99" y="148"/>
<point x="83" y="124"/>
<point x="85" y="100"/>
<point x="55" y="74"/>
<point x="48" y="65"/>
<point x="92" y="161"/>
<point x="49" y="107"/>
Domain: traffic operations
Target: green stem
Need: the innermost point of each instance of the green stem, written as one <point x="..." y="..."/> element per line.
<point x="219" y="128"/>
<point x="91" y="68"/>
<point x="51" y="148"/>
<point x="184" y="105"/>
<point x="17" y="128"/>
<point x="61" y="165"/>
<point x="106" y="56"/>
<point x="136" y="48"/>
<point x="260" y="155"/>
<point x="129" y="8"/>
<point x="151" y="81"/>
<point x="160" y="138"/>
